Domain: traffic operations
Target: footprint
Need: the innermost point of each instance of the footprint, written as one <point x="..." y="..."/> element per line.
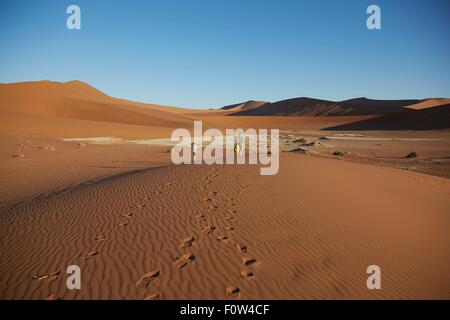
<point x="222" y="238"/>
<point x="40" y="276"/>
<point x="186" y="243"/>
<point x="184" y="260"/>
<point x="52" y="296"/>
<point x="228" y="228"/>
<point x="250" y="262"/>
<point x="214" y="208"/>
<point x="169" y="183"/>
<point x="213" y="193"/>
<point x="54" y="273"/>
<point x="123" y="224"/>
<point x="233" y="292"/>
<point x="51" y="276"/>
<point x="207" y="200"/>
<point x="229" y="218"/>
<point x="241" y="248"/>
<point x="127" y="215"/>
<point x="90" y="255"/>
<point x="247" y="274"/>
<point x="154" y="296"/>
<point x="140" y="206"/>
<point x="200" y="216"/>
<point x="100" y="238"/>
<point x="147" y="278"/>
<point x="209" y="229"/>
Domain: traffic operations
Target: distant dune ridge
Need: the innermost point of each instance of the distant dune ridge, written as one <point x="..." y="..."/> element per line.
<point x="305" y="106"/>
<point x="411" y="119"/>
<point x="243" y="106"/>
<point x="77" y="109"/>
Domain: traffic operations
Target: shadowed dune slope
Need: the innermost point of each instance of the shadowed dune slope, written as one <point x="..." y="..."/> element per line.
<point x="381" y="104"/>
<point x="315" y="107"/>
<point x="422" y="119"/>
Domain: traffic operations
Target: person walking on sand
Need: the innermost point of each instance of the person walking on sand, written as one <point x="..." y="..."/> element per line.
<point x="194" y="148"/>
<point x="240" y="143"/>
<point x="236" y="148"/>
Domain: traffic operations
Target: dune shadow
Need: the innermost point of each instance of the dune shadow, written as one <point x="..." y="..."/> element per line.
<point x="434" y="118"/>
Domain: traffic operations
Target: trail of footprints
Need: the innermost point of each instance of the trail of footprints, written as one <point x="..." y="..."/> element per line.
<point x="124" y="220"/>
<point x="184" y="260"/>
<point x="249" y="264"/>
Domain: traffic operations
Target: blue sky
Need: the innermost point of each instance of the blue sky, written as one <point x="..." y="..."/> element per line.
<point x="210" y="53"/>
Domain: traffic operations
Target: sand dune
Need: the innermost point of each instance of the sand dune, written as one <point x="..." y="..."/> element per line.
<point x="427" y="118"/>
<point x="309" y="232"/>
<point x="76" y="109"/>
<point x="428" y="103"/>
<point x="385" y="105"/>
<point x="44" y="104"/>
<point x="247" y="105"/>
<point x="315" y="107"/>
<point x="301" y="107"/>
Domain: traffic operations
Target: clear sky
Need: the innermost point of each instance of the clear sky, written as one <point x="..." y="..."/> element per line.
<point x="210" y="53"/>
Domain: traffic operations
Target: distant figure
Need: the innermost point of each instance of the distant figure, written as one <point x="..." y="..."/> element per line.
<point x="240" y="142"/>
<point x="194" y="148"/>
<point x="236" y="148"/>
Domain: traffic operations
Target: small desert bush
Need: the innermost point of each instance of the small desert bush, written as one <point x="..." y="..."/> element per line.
<point x="411" y="155"/>
<point x="338" y="153"/>
<point x="18" y="155"/>
<point x="47" y="147"/>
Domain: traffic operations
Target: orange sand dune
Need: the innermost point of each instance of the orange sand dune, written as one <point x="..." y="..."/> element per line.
<point x="248" y="105"/>
<point x="200" y="232"/>
<point x="17" y="97"/>
<point x="28" y="105"/>
<point x="64" y="128"/>
<point x="76" y="109"/>
<point x="428" y="103"/>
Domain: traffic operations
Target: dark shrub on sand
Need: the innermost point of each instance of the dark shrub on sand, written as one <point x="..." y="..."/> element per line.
<point x="411" y="155"/>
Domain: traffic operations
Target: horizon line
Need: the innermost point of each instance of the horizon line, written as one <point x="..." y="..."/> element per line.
<point x="217" y="107"/>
